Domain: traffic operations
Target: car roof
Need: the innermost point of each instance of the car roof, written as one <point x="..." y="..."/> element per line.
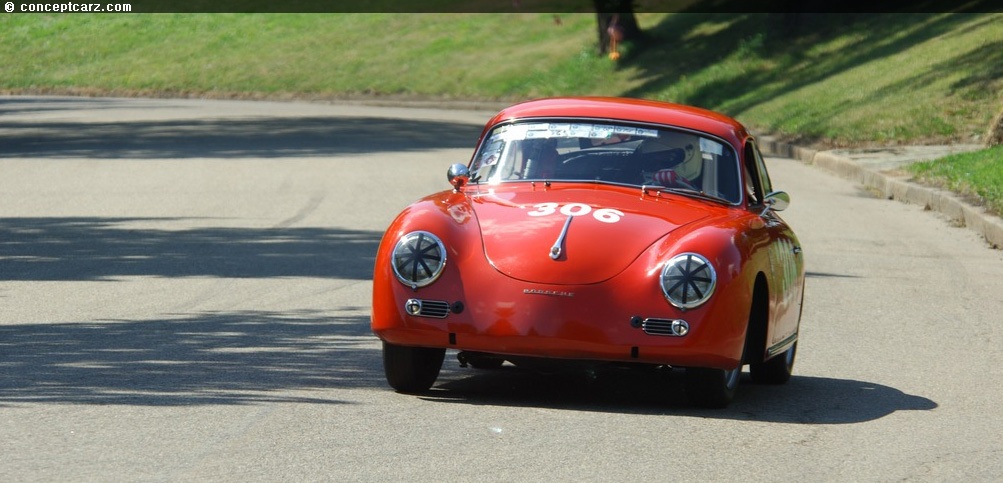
<point x="637" y="110"/>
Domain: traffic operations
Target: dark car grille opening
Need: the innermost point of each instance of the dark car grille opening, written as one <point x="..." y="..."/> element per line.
<point x="665" y="327"/>
<point x="434" y="308"/>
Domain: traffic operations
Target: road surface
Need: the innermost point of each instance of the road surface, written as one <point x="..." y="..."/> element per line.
<point x="184" y="291"/>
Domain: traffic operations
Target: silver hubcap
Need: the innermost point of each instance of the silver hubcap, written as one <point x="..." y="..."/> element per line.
<point x="731" y="377"/>
<point x="789" y="356"/>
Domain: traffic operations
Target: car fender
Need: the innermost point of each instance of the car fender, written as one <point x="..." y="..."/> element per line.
<point x="447" y="215"/>
<point x="737" y="259"/>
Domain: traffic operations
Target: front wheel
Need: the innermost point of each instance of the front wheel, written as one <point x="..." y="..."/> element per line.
<point x="411" y="369"/>
<point x="712" y="388"/>
<point x="777" y="370"/>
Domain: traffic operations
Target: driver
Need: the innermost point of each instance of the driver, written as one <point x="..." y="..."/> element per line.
<point x="684" y="171"/>
<point x="541" y="162"/>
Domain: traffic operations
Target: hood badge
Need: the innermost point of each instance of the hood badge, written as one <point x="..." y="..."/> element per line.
<point x="555" y="293"/>
<point x="556" y="250"/>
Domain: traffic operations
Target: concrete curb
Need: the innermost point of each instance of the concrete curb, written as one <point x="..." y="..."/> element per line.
<point x="894" y="187"/>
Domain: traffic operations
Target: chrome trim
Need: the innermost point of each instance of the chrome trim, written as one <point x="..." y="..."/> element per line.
<point x="412" y="306"/>
<point x="680" y="273"/>
<point x="556" y="293"/>
<point x="776" y="201"/>
<point x="436" y="309"/>
<point x="458" y="175"/>
<point x="416" y="260"/>
<point x="555" y="251"/>
<point x="782" y="345"/>
<point x="665" y="327"/>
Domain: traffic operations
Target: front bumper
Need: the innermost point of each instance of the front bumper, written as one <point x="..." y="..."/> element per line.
<point x="624" y="319"/>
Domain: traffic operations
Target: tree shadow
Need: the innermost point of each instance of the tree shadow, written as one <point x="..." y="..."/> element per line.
<point x="686" y="44"/>
<point x="221" y="138"/>
<point x="92" y="248"/>
<point x="12" y="105"/>
<point x="244" y="357"/>
<point x="803" y="400"/>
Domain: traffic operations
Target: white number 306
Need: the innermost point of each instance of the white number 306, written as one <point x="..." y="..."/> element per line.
<point x="605" y="215"/>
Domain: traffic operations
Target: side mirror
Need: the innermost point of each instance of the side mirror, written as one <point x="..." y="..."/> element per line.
<point x="777" y="201"/>
<point x="458" y="176"/>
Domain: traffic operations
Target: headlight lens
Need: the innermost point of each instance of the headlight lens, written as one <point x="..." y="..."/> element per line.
<point x="418" y="259"/>
<point x="688" y="280"/>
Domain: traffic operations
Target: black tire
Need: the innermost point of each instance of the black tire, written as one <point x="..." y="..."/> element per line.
<point x="712" y="388"/>
<point x="411" y="369"/>
<point x="776" y="370"/>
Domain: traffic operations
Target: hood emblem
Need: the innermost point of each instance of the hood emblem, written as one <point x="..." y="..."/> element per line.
<point x="554" y="293"/>
<point x="556" y="250"/>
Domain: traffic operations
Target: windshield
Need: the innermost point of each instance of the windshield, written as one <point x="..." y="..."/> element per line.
<point x="608" y="152"/>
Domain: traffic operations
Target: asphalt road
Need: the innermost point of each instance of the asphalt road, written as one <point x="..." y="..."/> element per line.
<point x="184" y="291"/>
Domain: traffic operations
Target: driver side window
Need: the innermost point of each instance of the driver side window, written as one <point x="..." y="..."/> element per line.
<point x="764" y="176"/>
<point x="751" y="174"/>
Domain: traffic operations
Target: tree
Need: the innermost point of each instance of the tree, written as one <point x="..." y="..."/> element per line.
<point x="616" y="23"/>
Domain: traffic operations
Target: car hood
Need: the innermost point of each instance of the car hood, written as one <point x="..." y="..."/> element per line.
<point x="609" y="228"/>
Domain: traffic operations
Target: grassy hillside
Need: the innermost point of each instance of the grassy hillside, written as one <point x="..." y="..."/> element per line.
<point x="450" y="56"/>
<point x="843" y="79"/>
<point x="839" y="80"/>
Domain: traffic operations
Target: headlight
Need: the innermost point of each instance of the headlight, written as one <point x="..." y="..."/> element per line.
<point x="418" y="259"/>
<point x="688" y="280"/>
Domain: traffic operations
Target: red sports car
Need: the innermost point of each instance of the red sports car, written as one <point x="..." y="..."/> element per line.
<point x="602" y="230"/>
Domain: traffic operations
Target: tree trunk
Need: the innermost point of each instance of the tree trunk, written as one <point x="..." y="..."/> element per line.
<point x="615" y="20"/>
<point x="994" y="136"/>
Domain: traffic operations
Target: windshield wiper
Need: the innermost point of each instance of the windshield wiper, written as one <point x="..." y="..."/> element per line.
<point x="475" y="177"/>
<point x="691" y="192"/>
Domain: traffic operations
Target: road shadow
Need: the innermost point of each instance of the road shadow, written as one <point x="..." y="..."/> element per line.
<point x="244" y="357"/>
<point x="252" y="137"/>
<point x="96" y="248"/>
<point x="14" y="105"/>
<point x="803" y="400"/>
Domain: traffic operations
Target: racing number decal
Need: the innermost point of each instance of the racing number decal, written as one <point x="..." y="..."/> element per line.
<point x="544" y="209"/>
<point x="605" y="215"/>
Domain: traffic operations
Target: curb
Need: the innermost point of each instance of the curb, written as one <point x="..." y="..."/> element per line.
<point x="898" y="188"/>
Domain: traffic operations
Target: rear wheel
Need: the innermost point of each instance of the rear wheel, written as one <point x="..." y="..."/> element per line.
<point x="411" y="369"/>
<point x="712" y="388"/>
<point x="777" y="370"/>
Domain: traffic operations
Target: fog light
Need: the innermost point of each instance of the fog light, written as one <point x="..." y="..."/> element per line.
<point x="680" y="327"/>
<point x="413" y="306"/>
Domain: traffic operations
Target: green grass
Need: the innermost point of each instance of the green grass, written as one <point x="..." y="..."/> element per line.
<point x="839" y="79"/>
<point x="978" y="175"/>
<point x="313" y="55"/>
<point x="834" y="80"/>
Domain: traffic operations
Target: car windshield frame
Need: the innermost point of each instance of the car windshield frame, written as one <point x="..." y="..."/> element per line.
<point x="609" y="151"/>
